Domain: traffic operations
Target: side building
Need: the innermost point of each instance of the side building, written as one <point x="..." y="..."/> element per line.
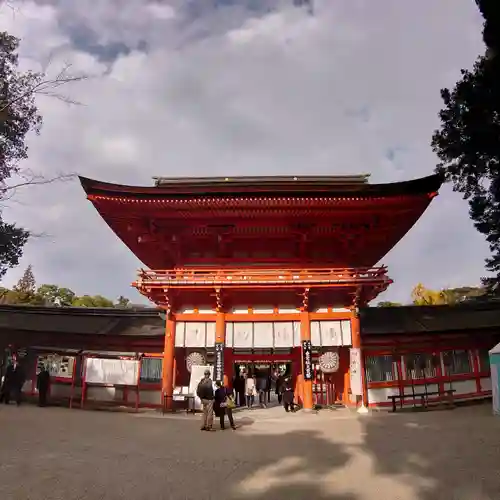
<point x="404" y="348"/>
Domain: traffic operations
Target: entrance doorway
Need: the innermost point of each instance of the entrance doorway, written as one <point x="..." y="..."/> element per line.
<point x="265" y="373"/>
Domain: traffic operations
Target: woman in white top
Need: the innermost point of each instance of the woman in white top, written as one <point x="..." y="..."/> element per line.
<point x="250" y="390"/>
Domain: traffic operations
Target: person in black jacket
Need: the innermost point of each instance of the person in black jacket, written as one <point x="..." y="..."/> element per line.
<point x="222" y="405"/>
<point x="13" y="383"/>
<point x="288" y="395"/>
<point x="205" y="392"/>
<point x="43" y="385"/>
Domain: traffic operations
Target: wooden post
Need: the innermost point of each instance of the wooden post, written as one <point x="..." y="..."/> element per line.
<point x="168" y="361"/>
<point x="307" y="387"/>
<point x="356" y="343"/>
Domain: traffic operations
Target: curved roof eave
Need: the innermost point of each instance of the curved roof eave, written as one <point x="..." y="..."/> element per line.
<point x="262" y="186"/>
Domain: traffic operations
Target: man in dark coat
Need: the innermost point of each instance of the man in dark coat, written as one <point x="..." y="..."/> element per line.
<point x="43" y="385"/>
<point x="288" y="395"/>
<point x="13" y="383"/>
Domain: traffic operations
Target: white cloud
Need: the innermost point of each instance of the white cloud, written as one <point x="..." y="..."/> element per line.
<point x="235" y="91"/>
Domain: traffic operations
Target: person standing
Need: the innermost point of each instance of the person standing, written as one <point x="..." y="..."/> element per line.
<point x="205" y="391"/>
<point x="288" y="395"/>
<point x="279" y="387"/>
<point x="43" y="386"/>
<point x="224" y="404"/>
<point x="13" y="383"/>
<point x="262" y="389"/>
<point x="250" y="390"/>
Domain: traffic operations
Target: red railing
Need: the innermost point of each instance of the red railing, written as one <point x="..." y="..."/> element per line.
<point x="232" y="277"/>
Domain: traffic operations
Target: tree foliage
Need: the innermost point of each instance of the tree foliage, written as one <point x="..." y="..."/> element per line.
<point x="422" y="296"/>
<point x="18" y="115"/>
<point x="490" y="9"/>
<point x="388" y="303"/>
<point x="468" y="142"/>
<point x="25" y="292"/>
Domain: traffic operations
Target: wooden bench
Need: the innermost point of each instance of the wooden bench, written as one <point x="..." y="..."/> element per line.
<point x="423" y="396"/>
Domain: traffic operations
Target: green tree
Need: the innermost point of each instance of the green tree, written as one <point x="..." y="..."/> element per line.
<point x="122" y="302"/>
<point x="467" y="143"/>
<point x="491" y="29"/>
<point x="92" y="301"/>
<point x="56" y="296"/>
<point x="26" y="283"/>
<point x="388" y="303"/>
<point x="18" y="116"/>
<point x="24" y="292"/>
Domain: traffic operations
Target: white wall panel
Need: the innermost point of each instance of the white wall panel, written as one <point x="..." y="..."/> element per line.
<point x="263" y="334"/>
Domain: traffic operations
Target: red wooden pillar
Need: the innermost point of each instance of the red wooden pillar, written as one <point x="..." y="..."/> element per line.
<point x="307" y="385"/>
<point x="356" y="343"/>
<point x="168" y="366"/>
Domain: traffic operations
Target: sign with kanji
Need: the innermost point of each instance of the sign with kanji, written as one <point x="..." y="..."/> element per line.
<point x="219" y="362"/>
<point x="307" y="359"/>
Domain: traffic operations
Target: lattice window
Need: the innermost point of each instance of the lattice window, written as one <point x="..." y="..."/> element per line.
<point x="457" y="362"/>
<point x="484" y="360"/>
<point x="151" y="370"/>
<point x="421" y="366"/>
<point x="380" y="369"/>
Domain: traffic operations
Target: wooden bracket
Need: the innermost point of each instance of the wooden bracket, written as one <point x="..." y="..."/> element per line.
<point x="305" y="300"/>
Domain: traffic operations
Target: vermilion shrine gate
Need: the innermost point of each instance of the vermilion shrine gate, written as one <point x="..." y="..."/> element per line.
<point x="264" y="269"/>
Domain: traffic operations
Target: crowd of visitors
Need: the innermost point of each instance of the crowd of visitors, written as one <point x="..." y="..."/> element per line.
<point x="246" y="388"/>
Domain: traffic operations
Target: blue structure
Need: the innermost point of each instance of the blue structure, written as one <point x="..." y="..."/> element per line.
<point x="495" y="378"/>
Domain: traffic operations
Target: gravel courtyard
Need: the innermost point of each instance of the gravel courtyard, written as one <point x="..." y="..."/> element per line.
<point x="55" y="453"/>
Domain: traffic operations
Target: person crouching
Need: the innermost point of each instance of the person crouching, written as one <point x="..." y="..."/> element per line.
<point x="224" y="404"/>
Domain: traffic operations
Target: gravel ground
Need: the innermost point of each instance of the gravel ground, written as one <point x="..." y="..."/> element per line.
<point x="56" y="453"/>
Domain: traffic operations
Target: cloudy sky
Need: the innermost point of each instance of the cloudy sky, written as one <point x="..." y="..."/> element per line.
<point x="239" y="87"/>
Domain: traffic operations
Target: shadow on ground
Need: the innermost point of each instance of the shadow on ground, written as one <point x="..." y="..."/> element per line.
<point x="442" y="454"/>
<point x="56" y="453"/>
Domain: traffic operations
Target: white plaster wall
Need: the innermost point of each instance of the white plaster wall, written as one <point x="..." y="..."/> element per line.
<point x="240" y="310"/>
<point x="287" y="309"/>
<point x="104" y="394"/>
<point x="381" y="395"/>
<point x="486" y="384"/>
<point x="263" y="309"/>
<point x="206" y="310"/>
<point x="420" y="388"/>
<point x="145" y="397"/>
<point x="63" y="391"/>
<point x="462" y="387"/>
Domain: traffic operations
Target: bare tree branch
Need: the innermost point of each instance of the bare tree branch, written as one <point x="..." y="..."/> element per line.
<point x="45" y="87"/>
<point x="29" y="178"/>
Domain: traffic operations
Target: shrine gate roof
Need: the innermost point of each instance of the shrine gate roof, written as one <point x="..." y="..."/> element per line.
<point x="297" y="186"/>
<point x="326" y="221"/>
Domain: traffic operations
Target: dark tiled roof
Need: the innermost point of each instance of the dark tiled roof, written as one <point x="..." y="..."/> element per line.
<point x="427" y="319"/>
<point x="265" y="186"/>
<point x="81" y="320"/>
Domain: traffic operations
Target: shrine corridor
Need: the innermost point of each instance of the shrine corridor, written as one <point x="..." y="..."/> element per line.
<point x="55" y="453"/>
